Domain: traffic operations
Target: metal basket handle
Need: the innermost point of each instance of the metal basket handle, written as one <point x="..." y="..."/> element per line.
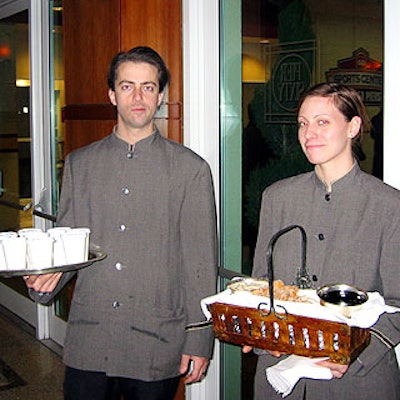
<point x="303" y="280"/>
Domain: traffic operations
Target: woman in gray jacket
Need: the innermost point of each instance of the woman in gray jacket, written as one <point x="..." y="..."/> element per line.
<point x="352" y="220"/>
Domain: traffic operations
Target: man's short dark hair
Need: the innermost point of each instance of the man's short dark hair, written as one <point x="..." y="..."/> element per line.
<point x="139" y="54"/>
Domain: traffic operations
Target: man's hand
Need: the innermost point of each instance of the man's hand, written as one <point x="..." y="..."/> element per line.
<point x="43" y="283"/>
<point x="194" y="367"/>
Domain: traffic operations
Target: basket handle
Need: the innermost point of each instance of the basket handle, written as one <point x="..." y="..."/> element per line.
<point x="266" y="313"/>
<point x="303" y="280"/>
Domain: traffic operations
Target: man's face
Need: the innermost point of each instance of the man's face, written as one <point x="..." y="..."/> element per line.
<point x="136" y="96"/>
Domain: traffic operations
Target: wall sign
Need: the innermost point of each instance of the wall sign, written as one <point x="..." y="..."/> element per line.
<point x="362" y="73"/>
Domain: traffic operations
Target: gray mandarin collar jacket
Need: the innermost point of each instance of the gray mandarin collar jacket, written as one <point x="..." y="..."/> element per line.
<point x="151" y="208"/>
<point x="354" y="238"/>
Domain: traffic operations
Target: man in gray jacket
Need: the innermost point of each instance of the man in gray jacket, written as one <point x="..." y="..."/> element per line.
<point x="149" y="203"/>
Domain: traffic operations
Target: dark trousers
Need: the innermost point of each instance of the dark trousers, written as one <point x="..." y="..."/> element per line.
<point x="90" y="385"/>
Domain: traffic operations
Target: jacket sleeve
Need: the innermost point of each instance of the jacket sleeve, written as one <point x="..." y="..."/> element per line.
<point x="199" y="254"/>
<point x="47" y="298"/>
<point x="386" y="332"/>
<point x="65" y="215"/>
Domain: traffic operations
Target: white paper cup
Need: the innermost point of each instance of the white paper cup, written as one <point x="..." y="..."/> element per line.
<point x="15" y="252"/>
<point x="58" y="231"/>
<point x="86" y="231"/>
<point x="7" y="234"/>
<point x="39" y="252"/>
<point x="4" y="235"/>
<point x="59" y="257"/>
<point x="76" y="245"/>
<point x="30" y="232"/>
<point x="3" y="263"/>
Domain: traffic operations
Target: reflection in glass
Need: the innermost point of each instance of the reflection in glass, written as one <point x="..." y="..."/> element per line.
<point x="15" y="134"/>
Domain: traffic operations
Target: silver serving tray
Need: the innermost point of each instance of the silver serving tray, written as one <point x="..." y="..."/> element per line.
<point x="95" y="255"/>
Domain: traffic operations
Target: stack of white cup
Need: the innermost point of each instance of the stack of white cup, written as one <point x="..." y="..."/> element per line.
<point x="9" y="243"/>
<point x="31" y="248"/>
<point x="71" y="245"/>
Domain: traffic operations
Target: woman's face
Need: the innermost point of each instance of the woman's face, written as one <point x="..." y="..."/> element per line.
<point x="324" y="133"/>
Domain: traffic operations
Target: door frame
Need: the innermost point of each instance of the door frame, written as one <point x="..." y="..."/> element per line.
<point x="49" y="325"/>
<point x="201" y="123"/>
<point x="391" y="82"/>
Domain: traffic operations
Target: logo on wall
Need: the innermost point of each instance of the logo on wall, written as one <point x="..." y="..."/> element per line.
<point x="290" y="78"/>
<point x="291" y="73"/>
<point x="362" y="73"/>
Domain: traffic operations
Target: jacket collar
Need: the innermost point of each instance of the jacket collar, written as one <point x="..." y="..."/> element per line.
<point x="345" y="181"/>
<point x="141" y="145"/>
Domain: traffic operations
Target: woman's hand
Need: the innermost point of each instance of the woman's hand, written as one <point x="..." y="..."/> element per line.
<point x="248" y="349"/>
<point x="338" y="370"/>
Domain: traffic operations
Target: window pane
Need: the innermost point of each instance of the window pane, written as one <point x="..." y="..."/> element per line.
<point x="15" y="134"/>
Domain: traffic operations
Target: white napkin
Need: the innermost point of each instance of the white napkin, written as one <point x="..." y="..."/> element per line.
<point x="284" y="375"/>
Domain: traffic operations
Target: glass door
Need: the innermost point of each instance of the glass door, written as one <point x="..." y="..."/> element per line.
<point x="15" y="143"/>
<point x="270" y="52"/>
<point x="31" y="140"/>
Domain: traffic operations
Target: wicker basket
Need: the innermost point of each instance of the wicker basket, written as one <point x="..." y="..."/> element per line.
<point x="288" y="333"/>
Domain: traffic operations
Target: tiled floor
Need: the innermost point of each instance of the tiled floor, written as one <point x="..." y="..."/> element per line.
<point x="37" y="364"/>
<point x="41" y="367"/>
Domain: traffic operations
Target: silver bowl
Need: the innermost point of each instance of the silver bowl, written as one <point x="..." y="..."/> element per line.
<point x="342" y="298"/>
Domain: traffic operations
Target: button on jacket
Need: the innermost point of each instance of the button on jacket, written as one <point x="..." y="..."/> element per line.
<point x="354" y="238"/>
<point x="151" y="208"/>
